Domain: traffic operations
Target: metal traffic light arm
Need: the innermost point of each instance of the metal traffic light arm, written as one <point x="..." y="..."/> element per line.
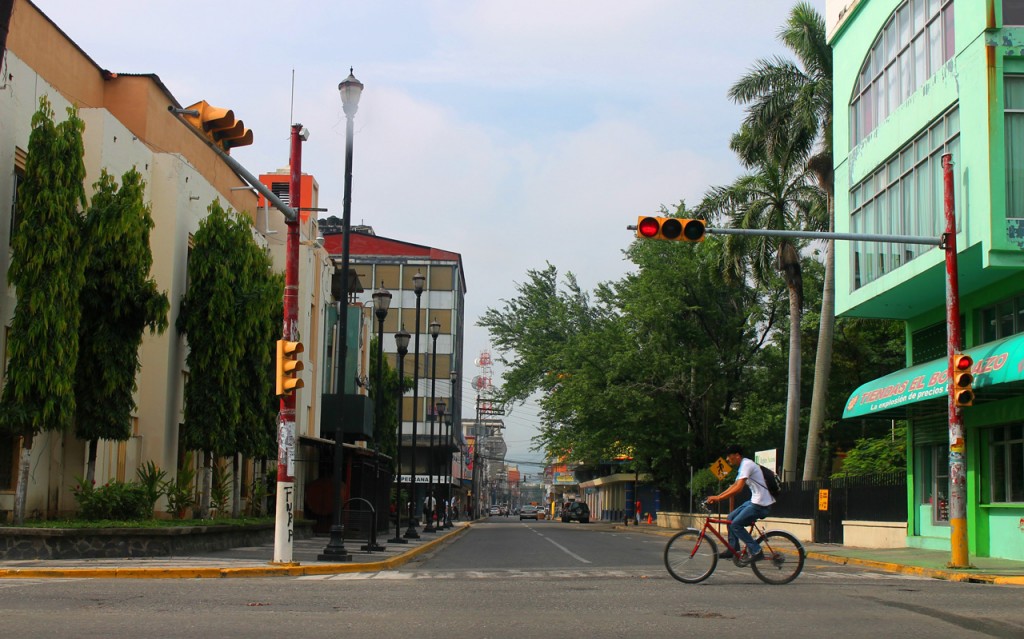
<point x="290" y="214"/>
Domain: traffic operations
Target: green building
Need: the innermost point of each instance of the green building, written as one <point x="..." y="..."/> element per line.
<point x="913" y="80"/>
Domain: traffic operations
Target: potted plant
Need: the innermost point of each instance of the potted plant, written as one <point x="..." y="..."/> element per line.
<point x="179" y="491"/>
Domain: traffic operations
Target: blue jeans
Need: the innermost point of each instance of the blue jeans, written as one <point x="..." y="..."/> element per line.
<point x="744" y="515"/>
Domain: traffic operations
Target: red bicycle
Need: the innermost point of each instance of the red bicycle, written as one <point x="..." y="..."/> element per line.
<point x="692" y="555"/>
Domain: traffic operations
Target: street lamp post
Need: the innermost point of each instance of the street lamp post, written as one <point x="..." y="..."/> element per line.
<point x="417" y="287"/>
<point x="381" y="304"/>
<point x="440" y="416"/>
<point x="402" y="344"/>
<point x="351" y="90"/>
<point x="453" y="376"/>
<point x="435" y="330"/>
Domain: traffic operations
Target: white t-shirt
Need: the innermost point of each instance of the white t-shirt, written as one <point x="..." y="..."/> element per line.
<point x="755" y="482"/>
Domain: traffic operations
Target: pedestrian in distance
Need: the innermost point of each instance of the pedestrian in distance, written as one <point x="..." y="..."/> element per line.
<point x="757" y="507"/>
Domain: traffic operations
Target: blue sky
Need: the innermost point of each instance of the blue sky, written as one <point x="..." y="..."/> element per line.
<point x="514" y="133"/>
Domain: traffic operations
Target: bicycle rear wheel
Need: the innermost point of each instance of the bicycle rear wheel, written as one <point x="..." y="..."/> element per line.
<point x="783" y="558"/>
<point x="689" y="557"/>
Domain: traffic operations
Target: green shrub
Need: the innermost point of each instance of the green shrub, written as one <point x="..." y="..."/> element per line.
<point x="151" y="478"/>
<point x="113" y="500"/>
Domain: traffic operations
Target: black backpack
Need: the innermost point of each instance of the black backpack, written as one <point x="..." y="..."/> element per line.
<point x="771" y="481"/>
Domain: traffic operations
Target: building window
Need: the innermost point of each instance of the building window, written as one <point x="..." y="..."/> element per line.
<point x="916" y="41"/>
<point x="1013" y="103"/>
<point x="933" y="470"/>
<point x="902" y="197"/>
<point x="1003" y="319"/>
<point x="1013" y="13"/>
<point x="1006" y="464"/>
<point x="19" y="176"/>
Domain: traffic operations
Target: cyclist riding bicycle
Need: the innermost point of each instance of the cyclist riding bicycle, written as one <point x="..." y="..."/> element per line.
<point x="757" y="507"/>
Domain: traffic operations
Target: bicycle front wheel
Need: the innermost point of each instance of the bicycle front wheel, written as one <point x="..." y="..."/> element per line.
<point x="783" y="558"/>
<point x="690" y="558"/>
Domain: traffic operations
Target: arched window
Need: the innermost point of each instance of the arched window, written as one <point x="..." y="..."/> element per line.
<point x="915" y="42"/>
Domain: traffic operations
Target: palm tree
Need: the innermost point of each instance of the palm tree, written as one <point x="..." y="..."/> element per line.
<point x="776" y="195"/>
<point x="790" y="104"/>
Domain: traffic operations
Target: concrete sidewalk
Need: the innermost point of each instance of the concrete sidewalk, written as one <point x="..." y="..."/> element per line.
<point x="253" y="561"/>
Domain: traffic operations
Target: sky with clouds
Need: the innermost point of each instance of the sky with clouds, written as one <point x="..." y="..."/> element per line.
<point x="514" y="133"/>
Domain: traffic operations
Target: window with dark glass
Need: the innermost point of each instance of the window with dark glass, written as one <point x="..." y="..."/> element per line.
<point x="1006" y="464"/>
<point x="1013" y="13"/>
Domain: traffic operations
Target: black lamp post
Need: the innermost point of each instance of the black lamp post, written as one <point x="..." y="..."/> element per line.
<point x="449" y="446"/>
<point x="435" y="330"/>
<point x="417" y="287"/>
<point x="381" y="304"/>
<point x="440" y="417"/>
<point x="402" y="344"/>
<point x="351" y="89"/>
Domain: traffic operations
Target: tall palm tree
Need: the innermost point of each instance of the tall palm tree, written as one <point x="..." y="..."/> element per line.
<point x="790" y="105"/>
<point x="777" y="194"/>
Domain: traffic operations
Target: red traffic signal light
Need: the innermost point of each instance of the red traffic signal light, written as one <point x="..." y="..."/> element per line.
<point x="963" y="380"/>
<point x="670" y="228"/>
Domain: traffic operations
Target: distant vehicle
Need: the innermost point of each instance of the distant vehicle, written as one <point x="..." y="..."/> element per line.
<point x="576" y="511"/>
<point x="494" y="510"/>
<point x="528" y="512"/>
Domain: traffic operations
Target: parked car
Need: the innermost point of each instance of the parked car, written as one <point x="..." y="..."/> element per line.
<point x="576" y="511"/>
<point x="494" y="510"/>
<point x="528" y="512"/>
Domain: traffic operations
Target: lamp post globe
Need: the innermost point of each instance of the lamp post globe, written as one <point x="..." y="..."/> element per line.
<point x="402" y="346"/>
<point x="417" y="287"/>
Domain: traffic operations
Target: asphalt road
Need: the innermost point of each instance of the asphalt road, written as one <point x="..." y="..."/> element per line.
<point x="506" y="578"/>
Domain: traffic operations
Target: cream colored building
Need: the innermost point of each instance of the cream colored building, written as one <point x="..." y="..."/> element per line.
<point x="128" y="124"/>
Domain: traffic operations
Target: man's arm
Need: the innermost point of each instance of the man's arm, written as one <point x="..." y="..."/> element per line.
<point x="730" y="491"/>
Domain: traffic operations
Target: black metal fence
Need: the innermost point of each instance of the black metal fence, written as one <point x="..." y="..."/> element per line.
<point x="881" y="497"/>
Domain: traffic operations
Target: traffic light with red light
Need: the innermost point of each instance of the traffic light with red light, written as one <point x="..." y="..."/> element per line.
<point x="288" y="367"/>
<point x="963" y="380"/>
<point x="218" y="125"/>
<point x="675" y="229"/>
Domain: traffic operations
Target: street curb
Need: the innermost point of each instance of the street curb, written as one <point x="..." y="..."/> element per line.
<point x="934" y="573"/>
<point x="270" y="570"/>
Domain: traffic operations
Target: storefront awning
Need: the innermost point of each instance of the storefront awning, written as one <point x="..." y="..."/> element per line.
<point x="998" y="373"/>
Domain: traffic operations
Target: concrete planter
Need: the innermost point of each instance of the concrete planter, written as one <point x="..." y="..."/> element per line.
<point x="53" y="543"/>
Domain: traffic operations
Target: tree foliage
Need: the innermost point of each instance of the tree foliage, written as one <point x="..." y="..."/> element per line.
<point x="48" y="271"/>
<point x="119" y="301"/>
<point x="226" y="315"/>
<point x="645" y="368"/>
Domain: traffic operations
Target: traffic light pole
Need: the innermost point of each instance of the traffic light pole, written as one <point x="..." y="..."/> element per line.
<point x="957" y="442"/>
<point x="284" y="530"/>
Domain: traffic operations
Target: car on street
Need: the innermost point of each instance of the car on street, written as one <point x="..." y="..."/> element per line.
<point x="528" y="512"/>
<point x="576" y="511"/>
<point x="494" y="510"/>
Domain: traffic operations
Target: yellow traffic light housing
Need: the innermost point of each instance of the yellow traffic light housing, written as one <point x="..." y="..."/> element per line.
<point x="963" y="380"/>
<point x="218" y="125"/>
<point x="288" y="367"/>
<point x="675" y="229"/>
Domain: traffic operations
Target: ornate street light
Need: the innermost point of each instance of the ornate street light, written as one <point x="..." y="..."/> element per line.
<point x="402" y="344"/>
<point x="417" y="287"/>
<point x="351" y="90"/>
<point x="381" y="304"/>
<point x="435" y="330"/>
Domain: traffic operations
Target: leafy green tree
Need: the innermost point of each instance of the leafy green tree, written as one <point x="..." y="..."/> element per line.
<point x="775" y="195"/>
<point x="47" y="269"/>
<point x="218" y="314"/>
<point x="874" y="455"/>
<point x="647" y="366"/>
<point x="790" y="105"/>
<point x="119" y="301"/>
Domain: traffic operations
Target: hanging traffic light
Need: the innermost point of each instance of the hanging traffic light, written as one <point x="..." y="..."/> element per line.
<point x="669" y="228"/>
<point x="288" y="367"/>
<point x="963" y="380"/>
<point x="218" y="125"/>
